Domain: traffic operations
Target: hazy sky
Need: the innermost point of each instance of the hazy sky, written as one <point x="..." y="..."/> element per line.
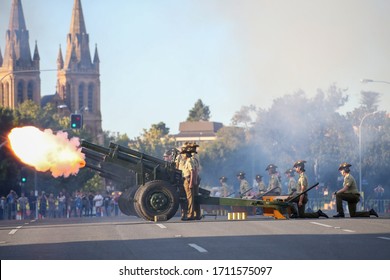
<point x="158" y="57"/>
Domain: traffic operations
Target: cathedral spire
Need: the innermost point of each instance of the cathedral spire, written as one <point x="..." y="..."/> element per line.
<point x="60" y="60"/>
<point x="16" y="21"/>
<point x="78" y="55"/>
<point x="17" y="50"/>
<point x="77" y="25"/>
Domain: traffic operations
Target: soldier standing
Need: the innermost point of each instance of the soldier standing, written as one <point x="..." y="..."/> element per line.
<point x="291" y="184"/>
<point x="260" y="185"/>
<point x="301" y="201"/>
<point x="244" y="185"/>
<point x="349" y="193"/>
<point x="225" y="190"/>
<point x="188" y="177"/>
<point x="274" y="182"/>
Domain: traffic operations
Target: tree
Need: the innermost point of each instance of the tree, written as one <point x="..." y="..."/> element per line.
<point x="245" y="116"/>
<point x="370" y="100"/>
<point x="154" y="141"/>
<point x="199" y="112"/>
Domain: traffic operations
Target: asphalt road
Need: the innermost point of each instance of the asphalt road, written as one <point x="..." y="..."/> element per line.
<point x="257" y="238"/>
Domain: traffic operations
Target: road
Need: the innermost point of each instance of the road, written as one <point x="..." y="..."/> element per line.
<point x="257" y="238"/>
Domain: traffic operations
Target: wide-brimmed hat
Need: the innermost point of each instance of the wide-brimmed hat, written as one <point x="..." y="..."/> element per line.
<point x="300" y="163"/>
<point x="344" y="165"/>
<point x="271" y="167"/>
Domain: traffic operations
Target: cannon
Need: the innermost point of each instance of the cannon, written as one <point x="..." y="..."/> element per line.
<point x="154" y="187"/>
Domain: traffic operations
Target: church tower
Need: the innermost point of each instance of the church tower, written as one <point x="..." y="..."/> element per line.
<point x="78" y="77"/>
<point x="19" y="72"/>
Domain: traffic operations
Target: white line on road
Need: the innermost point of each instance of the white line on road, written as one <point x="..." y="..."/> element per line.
<point x="198" y="248"/>
<point x="385" y="238"/>
<point x="161" y="226"/>
<point x="13" y="231"/>
<point x="348" y="230"/>
<point x="319" y="224"/>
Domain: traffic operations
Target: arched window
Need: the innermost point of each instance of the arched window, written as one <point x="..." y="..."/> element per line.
<point x="90" y="98"/>
<point x="30" y="91"/>
<point x="2" y="100"/>
<point x="81" y="97"/>
<point x="20" y="96"/>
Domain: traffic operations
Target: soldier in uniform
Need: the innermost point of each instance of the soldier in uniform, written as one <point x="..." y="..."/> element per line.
<point x="274" y="182"/>
<point x="260" y="185"/>
<point x="301" y="201"/>
<point x="189" y="182"/>
<point x="225" y="190"/>
<point x="192" y="148"/>
<point x="291" y="184"/>
<point x="244" y="185"/>
<point x="349" y="193"/>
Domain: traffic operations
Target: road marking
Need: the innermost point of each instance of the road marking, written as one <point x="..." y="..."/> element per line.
<point x="198" y="248"/>
<point x="385" y="238"/>
<point x="2" y="242"/>
<point x="13" y="231"/>
<point x="19" y="227"/>
<point x="161" y="226"/>
<point x="348" y="230"/>
<point x="319" y="224"/>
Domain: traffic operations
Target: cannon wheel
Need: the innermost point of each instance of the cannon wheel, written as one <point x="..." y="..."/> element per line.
<point x="126" y="202"/>
<point x="156" y="198"/>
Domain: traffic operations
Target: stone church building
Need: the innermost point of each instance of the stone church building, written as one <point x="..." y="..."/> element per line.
<point x="78" y="74"/>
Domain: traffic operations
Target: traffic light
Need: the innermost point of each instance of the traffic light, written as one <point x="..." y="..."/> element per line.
<point x="23" y="175"/>
<point x="76" y="121"/>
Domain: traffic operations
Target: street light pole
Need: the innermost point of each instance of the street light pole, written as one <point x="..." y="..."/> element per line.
<point x="365" y="81"/>
<point x="360" y="149"/>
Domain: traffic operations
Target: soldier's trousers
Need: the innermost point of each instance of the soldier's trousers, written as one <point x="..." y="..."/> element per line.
<point x="352" y="200"/>
<point x="301" y="209"/>
<point x="190" y="199"/>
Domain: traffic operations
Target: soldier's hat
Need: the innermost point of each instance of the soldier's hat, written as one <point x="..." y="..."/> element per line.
<point x="300" y="163"/>
<point x="271" y="167"/>
<point x="241" y="174"/>
<point x="289" y="171"/>
<point x="258" y="177"/>
<point x="192" y="147"/>
<point x="184" y="150"/>
<point x="223" y="179"/>
<point x="344" y="165"/>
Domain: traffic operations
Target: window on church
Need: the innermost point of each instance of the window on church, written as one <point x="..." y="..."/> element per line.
<point x="90" y="98"/>
<point x="81" y="96"/>
<point x="30" y="91"/>
<point x="20" y="92"/>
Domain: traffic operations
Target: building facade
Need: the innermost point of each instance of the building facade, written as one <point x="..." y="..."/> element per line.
<point x="78" y="75"/>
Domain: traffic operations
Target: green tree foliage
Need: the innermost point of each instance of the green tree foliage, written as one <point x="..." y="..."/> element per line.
<point x="95" y="184"/>
<point x="200" y="112"/>
<point x="154" y="141"/>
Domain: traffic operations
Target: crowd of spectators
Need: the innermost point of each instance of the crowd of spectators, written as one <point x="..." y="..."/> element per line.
<point x="61" y="205"/>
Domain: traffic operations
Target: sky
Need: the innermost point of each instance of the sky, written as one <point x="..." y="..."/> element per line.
<point x="158" y="57"/>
